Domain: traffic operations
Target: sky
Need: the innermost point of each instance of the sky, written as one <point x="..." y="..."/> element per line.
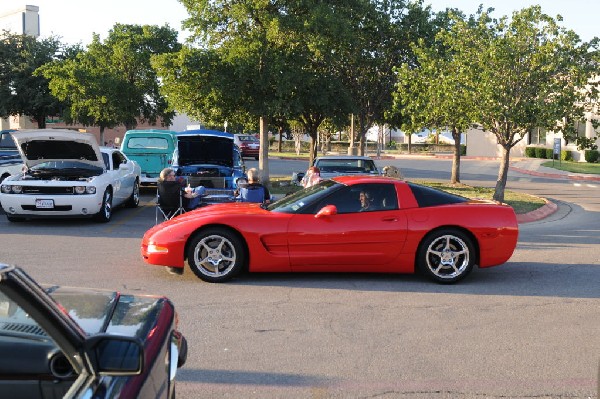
<point x="76" y="20"/>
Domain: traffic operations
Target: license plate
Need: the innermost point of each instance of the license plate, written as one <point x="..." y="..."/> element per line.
<point x="44" y="203"/>
<point x="254" y="146"/>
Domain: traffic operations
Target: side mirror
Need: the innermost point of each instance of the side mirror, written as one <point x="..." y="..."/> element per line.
<point x="327" y="210"/>
<point x="123" y="166"/>
<point x="115" y="355"/>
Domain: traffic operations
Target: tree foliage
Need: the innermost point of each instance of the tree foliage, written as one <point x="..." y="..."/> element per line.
<point x="21" y="92"/>
<point x="523" y="73"/>
<point x="112" y="82"/>
<point x="432" y="92"/>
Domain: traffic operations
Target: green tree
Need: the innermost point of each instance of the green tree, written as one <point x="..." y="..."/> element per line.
<point x="525" y="72"/>
<point x="432" y="93"/>
<point x="113" y="82"/>
<point x="21" y="92"/>
<point x="383" y="33"/>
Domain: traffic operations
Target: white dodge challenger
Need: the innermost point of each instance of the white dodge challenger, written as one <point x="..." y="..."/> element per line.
<point x="67" y="174"/>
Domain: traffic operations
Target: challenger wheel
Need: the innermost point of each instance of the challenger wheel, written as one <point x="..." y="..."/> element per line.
<point x="105" y="212"/>
<point x="446" y="256"/>
<point x="216" y="255"/>
<point x="134" y="199"/>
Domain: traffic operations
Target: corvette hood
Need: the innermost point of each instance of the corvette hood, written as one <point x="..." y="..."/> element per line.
<point x="108" y="311"/>
<point x="37" y="146"/>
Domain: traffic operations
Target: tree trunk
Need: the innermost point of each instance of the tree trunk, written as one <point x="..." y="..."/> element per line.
<point x="41" y="121"/>
<point x="263" y="158"/>
<point x="101" y="135"/>
<point x="280" y="144"/>
<point x="455" y="177"/>
<point x="313" y="149"/>
<point x="502" y="174"/>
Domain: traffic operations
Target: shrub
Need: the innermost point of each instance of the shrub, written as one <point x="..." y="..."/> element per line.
<point x="566" y="155"/>
<point x="540" y="152"/>
<point x="591" y="156"/>
<point x="549" y="153"/>
<point x="530" y="152"/>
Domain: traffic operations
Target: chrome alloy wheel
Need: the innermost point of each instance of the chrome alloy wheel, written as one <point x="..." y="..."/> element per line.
<point x="215" y="256"/>
<point x="447" y="257"/>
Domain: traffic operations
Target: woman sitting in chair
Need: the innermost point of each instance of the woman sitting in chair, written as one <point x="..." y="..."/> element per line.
<point x="171" y="188"/>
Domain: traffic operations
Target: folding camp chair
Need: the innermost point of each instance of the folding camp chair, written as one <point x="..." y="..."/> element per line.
<point x="252" y="194"/>
<point x="169" y="200"/>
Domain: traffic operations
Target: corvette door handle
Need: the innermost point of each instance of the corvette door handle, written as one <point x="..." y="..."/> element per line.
<point x="391" y="219"/>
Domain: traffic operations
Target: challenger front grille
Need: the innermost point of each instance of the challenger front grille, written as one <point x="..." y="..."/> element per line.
<point x="34" y="190"/>
<point x="62" y="208"/>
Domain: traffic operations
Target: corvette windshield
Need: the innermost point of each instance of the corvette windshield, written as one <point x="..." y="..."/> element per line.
<point x="300" y="200"/>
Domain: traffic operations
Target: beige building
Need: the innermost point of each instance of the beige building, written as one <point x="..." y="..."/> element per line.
<point x="485" y="144"/>
<point x="19" y="20"/>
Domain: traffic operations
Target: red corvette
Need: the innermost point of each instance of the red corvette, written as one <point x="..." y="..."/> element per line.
<point x="346" y="224"/>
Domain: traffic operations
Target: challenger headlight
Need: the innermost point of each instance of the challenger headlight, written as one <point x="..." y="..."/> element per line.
<point x="17" y="189"/>
<point x="90" y="190"/>
<point x="79" y="189"/>
<point x="5" y="189"/>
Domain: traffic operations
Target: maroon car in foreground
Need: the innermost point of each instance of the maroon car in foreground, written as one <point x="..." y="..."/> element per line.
<point x="85" y="343"/>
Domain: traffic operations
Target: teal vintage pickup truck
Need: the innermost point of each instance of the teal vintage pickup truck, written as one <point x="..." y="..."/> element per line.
<point x="152" y="149"/>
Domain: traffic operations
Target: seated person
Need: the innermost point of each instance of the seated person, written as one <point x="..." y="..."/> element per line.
<point x="312" y="177"/>
<point x="170" y="188"/>
<point x="253" y="191"/>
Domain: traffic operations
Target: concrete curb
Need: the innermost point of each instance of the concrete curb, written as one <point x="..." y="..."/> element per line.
<point x="539" y="213"/>
<point x="581" y="177"/>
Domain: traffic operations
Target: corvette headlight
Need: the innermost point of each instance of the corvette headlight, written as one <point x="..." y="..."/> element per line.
<point x="17" y="189"/>
<point x="79" y="189"/>
<point x="153" y="248"/>
<point x="5" y="189"/>
<point x="90" y="190"/>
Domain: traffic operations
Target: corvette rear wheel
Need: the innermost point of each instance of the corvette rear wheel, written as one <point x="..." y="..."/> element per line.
<point x="216" y="255"/>
<point x="446" y="256"/>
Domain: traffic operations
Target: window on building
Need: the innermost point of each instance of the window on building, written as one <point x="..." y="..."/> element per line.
<point x="580" y="127"/>
<point x="537" y="136"/>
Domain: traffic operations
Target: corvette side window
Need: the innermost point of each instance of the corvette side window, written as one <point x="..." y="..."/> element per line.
<point x="362" y="198"/>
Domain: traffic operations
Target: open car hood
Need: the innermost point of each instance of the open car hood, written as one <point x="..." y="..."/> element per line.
<point x="205" y="147"/>
<point x="38" y="146"/>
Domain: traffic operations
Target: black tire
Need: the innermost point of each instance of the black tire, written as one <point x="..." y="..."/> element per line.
<point x="446" y="256"/>
<point x="14" y="219"/>
<point x="105" y="213"/>
<point x="216" y="255"/>
<point x="134" y="200"/>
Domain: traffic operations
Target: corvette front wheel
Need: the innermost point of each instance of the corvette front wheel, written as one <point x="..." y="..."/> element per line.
<point x="446" y="256"/>
<point x="216" y="255"/>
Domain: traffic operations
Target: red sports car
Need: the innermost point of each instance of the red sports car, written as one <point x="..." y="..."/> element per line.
<point x="346" y="224"/>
